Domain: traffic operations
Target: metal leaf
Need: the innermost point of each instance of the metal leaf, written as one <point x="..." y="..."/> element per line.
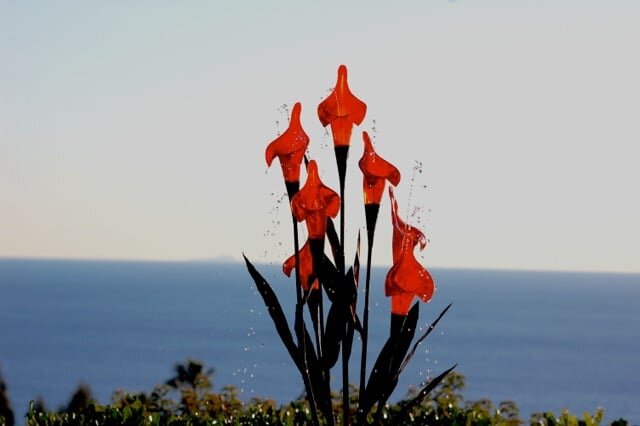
<point x="382" y="380"/>
<point x="422" y="337"/>
<point x="275" y="311"/>
<point x="333" y="335"/>
<point x="334" y="240"/>
<point x="319" y="381"/>
<point x="428" y="388"/>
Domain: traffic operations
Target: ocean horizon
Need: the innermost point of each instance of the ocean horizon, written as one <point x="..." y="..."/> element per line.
<point x="546" y="340"/>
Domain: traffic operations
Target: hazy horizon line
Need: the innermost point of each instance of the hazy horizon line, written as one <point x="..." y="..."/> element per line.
<point x="231" y="259"/>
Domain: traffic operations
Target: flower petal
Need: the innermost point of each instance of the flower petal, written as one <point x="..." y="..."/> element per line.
<point x="375" y="171"/>
<point x="401" y="303"/>
<point x="314" y="202"/>
<point x="341" y="109"/>
<point x="306" y="267"/>
<point x="289" y="147"/>
<point x="404" y="235"/>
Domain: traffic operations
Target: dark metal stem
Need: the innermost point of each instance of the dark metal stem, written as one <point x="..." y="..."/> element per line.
<point x="371" y="213"/>
<point x="292" y="189"/>
<point x="317" y="312"/>
<point x="342" y="153"/>
<point x="365" y="323"/>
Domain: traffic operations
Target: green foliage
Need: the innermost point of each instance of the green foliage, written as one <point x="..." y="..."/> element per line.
<point x="6" y="413"/>
<point x="446" y="406"/>
<point x="568" y="419"/>
<point x="188" y="399"/>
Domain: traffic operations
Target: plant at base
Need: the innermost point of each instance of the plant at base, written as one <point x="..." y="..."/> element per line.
<point x="445" y="406"/>
<point x="321" y="274"/>
<point x="6" y="413"/>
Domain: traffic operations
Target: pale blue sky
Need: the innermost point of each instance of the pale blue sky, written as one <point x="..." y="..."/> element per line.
<point x="136" y="130"/>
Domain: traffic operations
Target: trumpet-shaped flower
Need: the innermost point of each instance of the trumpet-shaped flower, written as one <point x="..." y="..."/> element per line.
<point x="289" y="147"/>
<point x="306" y="271"/>
<point x="314" y="203"/>
<point x="375" y="170"/>
<point x="405" y="236"/>
<point x="406" y="278"/>
<point x="341" y="109"/>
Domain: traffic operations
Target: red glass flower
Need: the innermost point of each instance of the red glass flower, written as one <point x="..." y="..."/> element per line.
<point x="405" y="236"/>
<point x="289" y="147"/>
<point x="375" y="170"/>
<point x="341" y="109"/>
<point x="306" y="267"/>
<point x="314" y="202"/>
<point x="406" y="278"/>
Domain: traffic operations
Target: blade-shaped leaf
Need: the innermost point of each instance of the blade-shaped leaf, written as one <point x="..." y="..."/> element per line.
<point x="348" y="342"/>
<point x="334" y="240"/>
<point x="356" y="262"/>
<point x="349" y="307"/>
<point x="357" y="325"/>
<point x="406" y="330"/>
<point x="428" y="388"/>
<point x="329" y="278"/>
<point x="422" y="337"/>
<point x="314" y="302"/>
<point x="382" y="380"/>
<point x="275" y="311"/>
<point x="333" y="335"/>
<point x="374" y="388"/>
<point x="403" y="328"/>
<point x="318" y="380"/>
<point x="350" y="287"/>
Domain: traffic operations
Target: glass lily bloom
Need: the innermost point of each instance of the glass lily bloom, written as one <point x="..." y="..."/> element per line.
<point x="307" y="273"/>
<point x="289" y="147"/>
<point x="314" y="202"/>
<point x="406" y="278"/>
<point x="405" y="236"/>
<point x="341" y="109"/>
<point x="375" y="170"/>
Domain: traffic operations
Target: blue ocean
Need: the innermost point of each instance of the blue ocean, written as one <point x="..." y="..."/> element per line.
<point x="545" y="340"/>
